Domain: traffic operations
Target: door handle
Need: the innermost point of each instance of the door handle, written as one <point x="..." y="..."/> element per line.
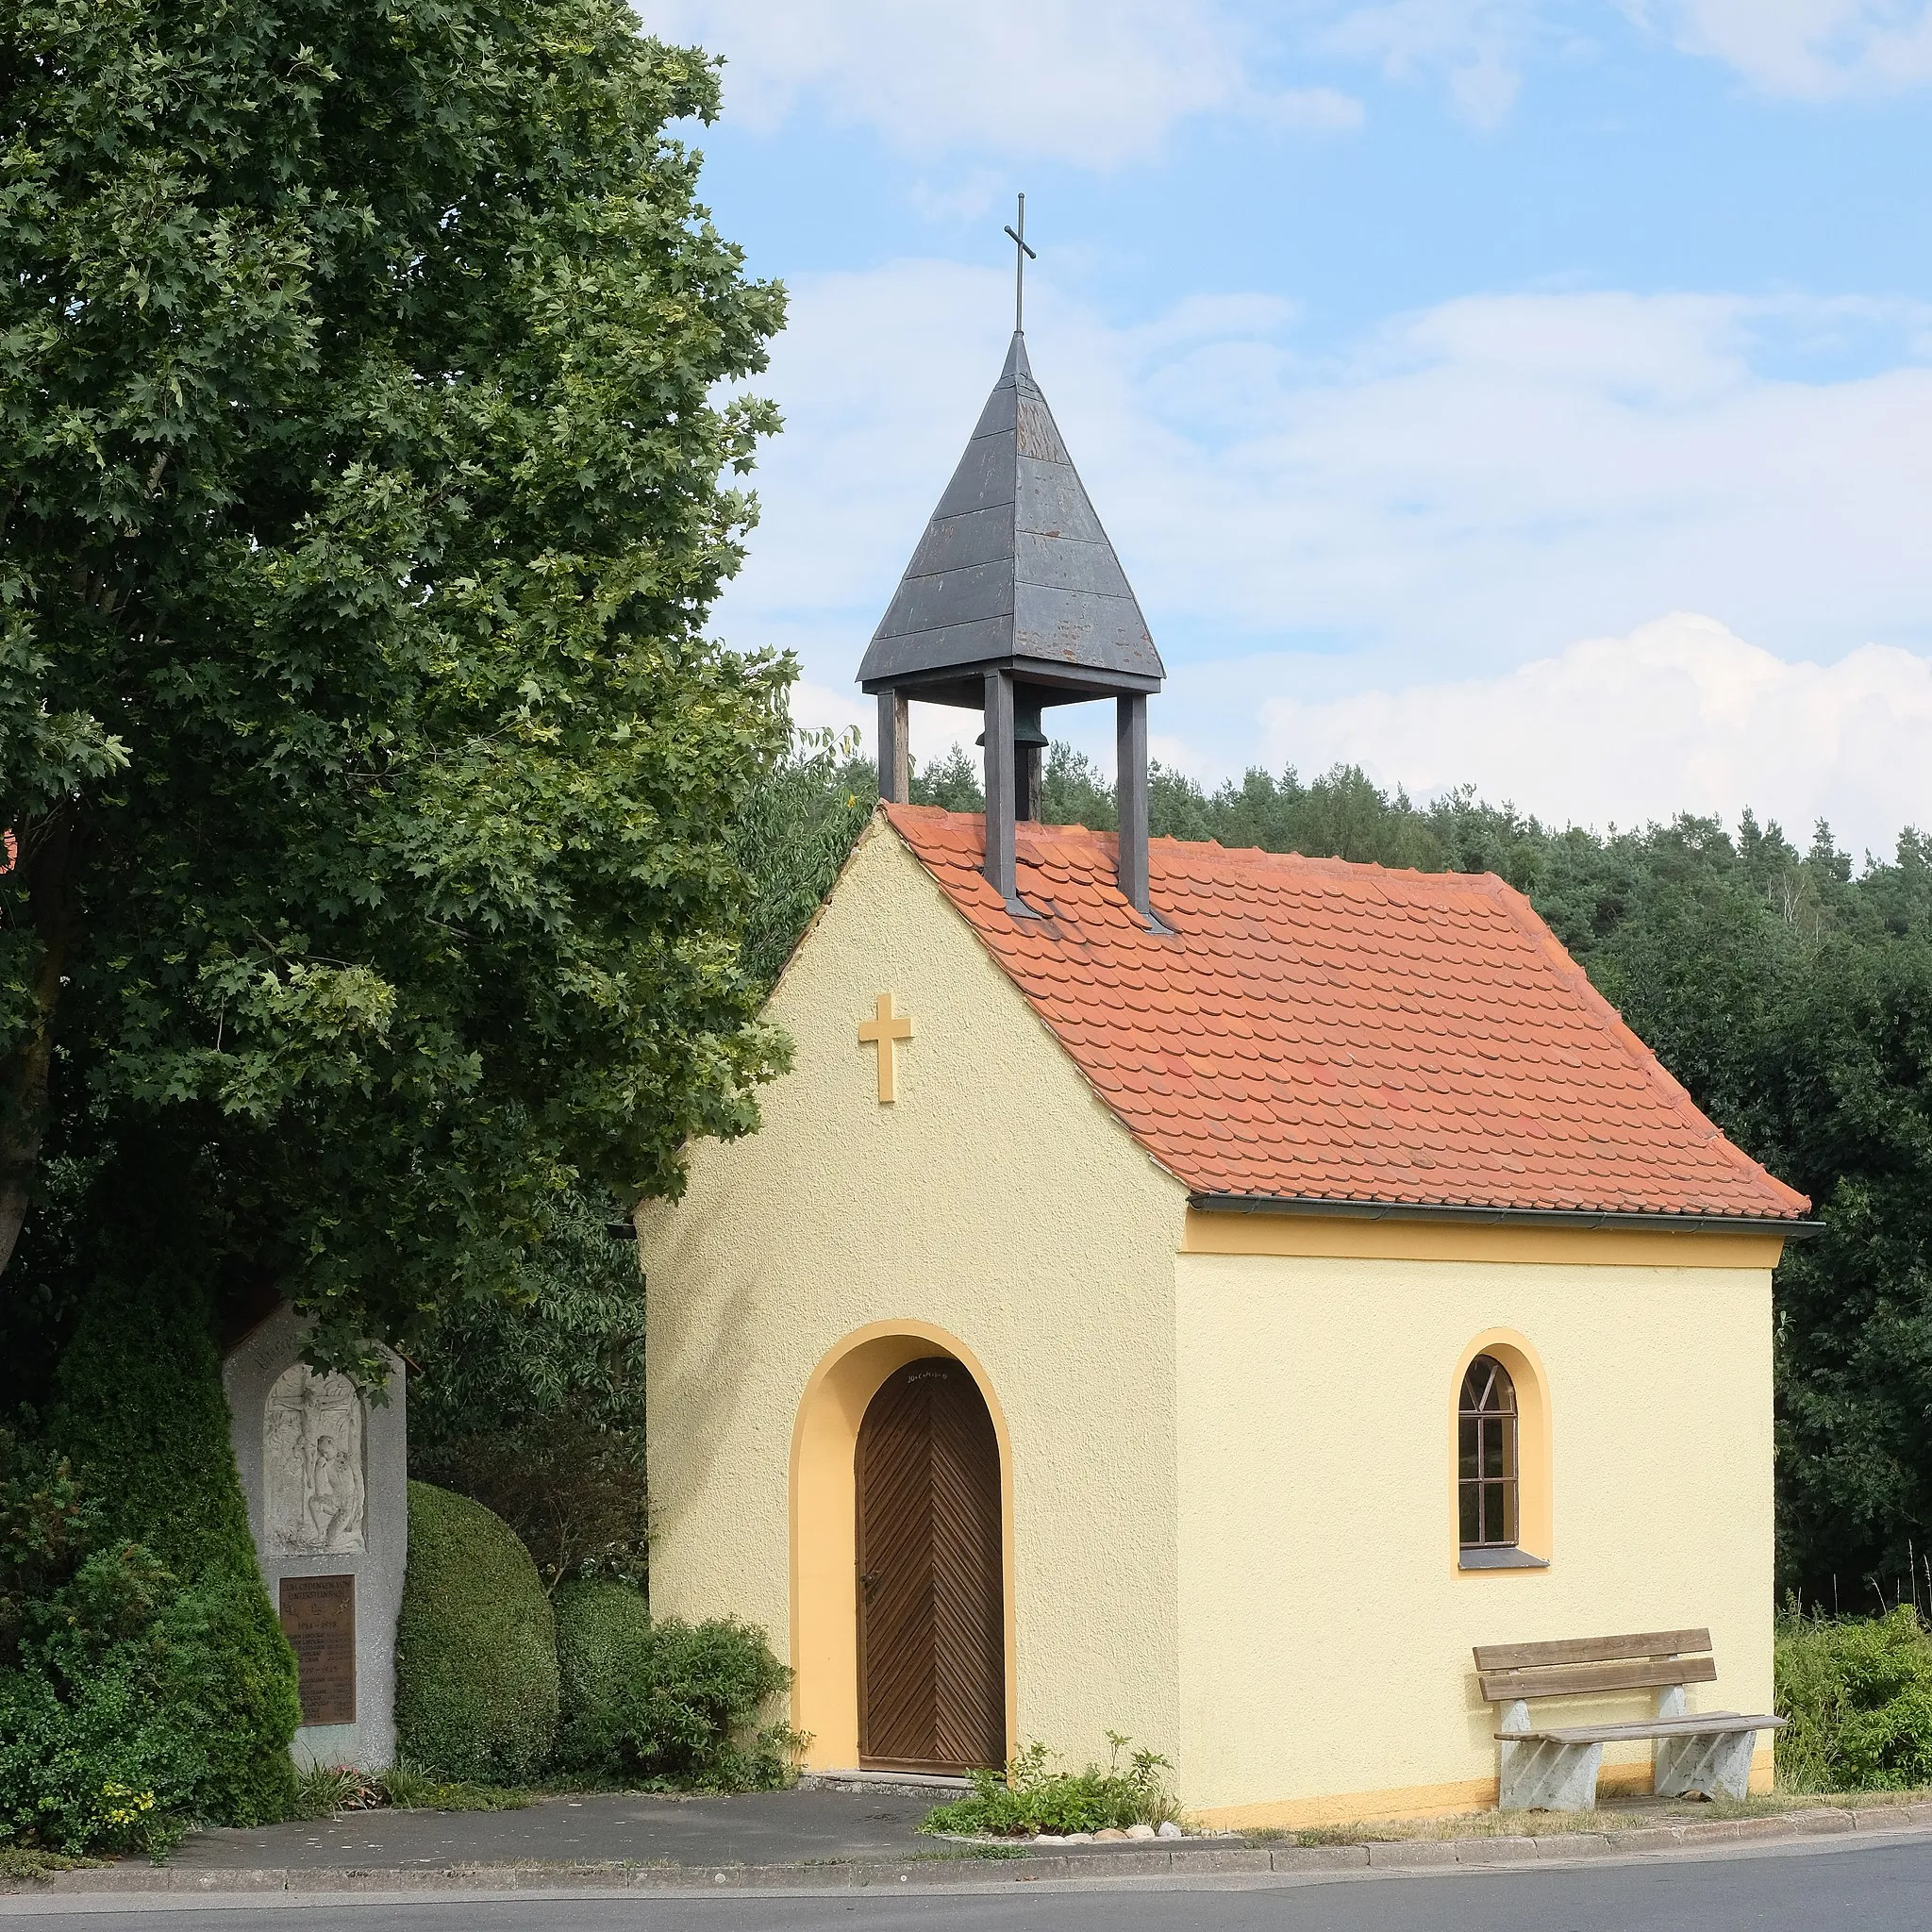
<point x="868" y="1577"/>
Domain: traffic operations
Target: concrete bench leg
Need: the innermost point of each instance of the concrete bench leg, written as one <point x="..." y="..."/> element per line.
<point x="1544" y="1775"/>
<point x="1719" y="1765"/>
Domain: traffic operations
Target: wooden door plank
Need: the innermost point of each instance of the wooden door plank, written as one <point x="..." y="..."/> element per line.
<point x="932" y="1627"/>
<point x="967" y="1590"/>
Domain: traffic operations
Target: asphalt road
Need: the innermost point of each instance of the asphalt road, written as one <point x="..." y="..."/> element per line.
<point x="1880" y="1886"/>
<point x="754" y="1828"/>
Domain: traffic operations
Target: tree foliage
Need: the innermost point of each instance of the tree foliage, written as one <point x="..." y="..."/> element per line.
<point x="1790" y="991"/>
<point x="363" y="491"/>
<point x="535" y="1407"/>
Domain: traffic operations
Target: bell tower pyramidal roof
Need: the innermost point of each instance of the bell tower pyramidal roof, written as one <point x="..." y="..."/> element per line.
<point x="1013" y="571"/>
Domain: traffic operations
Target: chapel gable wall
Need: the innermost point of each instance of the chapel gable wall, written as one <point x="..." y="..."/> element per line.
<point x="996" y="1201"/>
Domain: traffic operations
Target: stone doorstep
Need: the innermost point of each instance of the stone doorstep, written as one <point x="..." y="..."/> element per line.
<point x="1134" y="1858"/>
<point x="942" y="1783"/>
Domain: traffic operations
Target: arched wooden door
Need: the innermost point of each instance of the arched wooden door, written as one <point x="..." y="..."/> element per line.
<point x="932" y="1676"/>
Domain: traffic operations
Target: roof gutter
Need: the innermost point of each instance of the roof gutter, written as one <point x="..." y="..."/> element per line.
<point x="1517" y="1217"/>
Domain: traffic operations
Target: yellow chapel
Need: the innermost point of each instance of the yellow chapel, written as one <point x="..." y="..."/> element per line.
<point x="1204" y="1295"/>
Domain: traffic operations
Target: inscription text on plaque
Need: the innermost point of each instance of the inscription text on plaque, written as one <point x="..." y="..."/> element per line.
<point x="319" y="1619"/>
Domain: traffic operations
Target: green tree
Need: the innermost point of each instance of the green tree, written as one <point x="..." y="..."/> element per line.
<point x="364" y="487"/>
<point x="535" y="1407"/>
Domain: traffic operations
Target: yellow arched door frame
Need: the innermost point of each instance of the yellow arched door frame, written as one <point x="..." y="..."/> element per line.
<point x="824" y="1506"/>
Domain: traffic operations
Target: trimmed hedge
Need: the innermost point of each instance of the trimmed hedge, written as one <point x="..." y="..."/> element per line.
<point x="1858" y="1693"/>
<point x="665" y="1703"/>
<point x="476" y="1676"/>
<point x="139" y="1412"/>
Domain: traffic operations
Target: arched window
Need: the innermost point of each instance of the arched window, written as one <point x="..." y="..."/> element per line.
<point x="1486" y="1456"/>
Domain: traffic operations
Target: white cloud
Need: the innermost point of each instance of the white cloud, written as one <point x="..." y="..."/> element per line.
<point x="1311" y="110"/>
<point x="1808" y="49"/>
<point x="1464" y="489"/>
<point x="1476" y="46"/>
<point x="1094" y="82"/>
<point x="1679" y="715"/>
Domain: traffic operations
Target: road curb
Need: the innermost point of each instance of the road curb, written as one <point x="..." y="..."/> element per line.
<point x="1138" y="1861"/>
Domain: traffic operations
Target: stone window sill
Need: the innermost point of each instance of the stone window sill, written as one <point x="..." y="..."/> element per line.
<point x="1500" y="1558"/>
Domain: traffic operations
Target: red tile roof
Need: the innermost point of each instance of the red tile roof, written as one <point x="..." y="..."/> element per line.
<point x="1317" y="1030"/>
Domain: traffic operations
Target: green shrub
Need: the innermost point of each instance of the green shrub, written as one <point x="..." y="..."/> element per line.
<point x="104" y="1671"/>
<point x="475" y="1647"/>
<point x="1033" y="1797"/>
<point x="668" y="1703"/>
<point x="1858" y="1693"/>
<point x="140" y="1410"/>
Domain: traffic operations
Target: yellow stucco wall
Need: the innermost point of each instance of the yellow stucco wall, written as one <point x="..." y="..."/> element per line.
<point x="1231" y="1475"/>
<point x="1326" y="1629"/>
<point x="997" y="1201"/>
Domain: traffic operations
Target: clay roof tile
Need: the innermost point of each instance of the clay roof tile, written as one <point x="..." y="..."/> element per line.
<point x="1317" y="1030"/>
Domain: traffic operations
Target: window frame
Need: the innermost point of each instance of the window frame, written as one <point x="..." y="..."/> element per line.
<point x="1531" y="1550"/>
<point x="1489" y="1459"/>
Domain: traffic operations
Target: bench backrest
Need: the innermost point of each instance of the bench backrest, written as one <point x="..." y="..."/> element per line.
<point x="1576" y="1665"/>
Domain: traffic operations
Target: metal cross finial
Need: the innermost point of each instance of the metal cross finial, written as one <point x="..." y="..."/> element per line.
<point x="1022" y="255"/>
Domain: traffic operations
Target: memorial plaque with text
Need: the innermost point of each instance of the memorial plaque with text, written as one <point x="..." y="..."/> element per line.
<point x="319" y="1619"/>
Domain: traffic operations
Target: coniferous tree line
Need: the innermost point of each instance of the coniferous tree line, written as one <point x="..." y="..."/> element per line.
<point x="1788" y="988"/>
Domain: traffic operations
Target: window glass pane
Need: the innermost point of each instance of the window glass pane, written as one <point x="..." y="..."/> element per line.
<point x="1501" y="1390"/>
<point x="1486" y="1448"/>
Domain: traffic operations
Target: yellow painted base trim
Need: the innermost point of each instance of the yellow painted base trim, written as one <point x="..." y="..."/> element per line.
<point x="1423" y="1801"/>
<point x="1354" y="1808"/>
<point x="1342" y="1237"/>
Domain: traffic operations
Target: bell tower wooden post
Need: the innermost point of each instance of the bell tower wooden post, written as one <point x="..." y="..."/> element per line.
<point x="1130" y="794"/>
<point x="1000" y="800"/>
<point x="895" y="764"/>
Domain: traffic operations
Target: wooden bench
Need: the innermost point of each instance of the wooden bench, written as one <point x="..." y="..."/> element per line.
<point x="1556" y="1770"/>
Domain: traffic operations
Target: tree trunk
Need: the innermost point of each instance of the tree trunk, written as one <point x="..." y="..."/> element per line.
<point x="46" y="858"/>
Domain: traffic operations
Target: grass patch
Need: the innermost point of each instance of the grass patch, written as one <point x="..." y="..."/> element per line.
<point x="328" y="1790"/>
<point x="1607" y="1819"/>
<point x="18" y="1861"/>
<point x="972" y="1852"/>
<point x="1033" y="1797"/>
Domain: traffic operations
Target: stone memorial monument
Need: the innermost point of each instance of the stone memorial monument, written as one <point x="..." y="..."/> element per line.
<point x="325" y="1472"/>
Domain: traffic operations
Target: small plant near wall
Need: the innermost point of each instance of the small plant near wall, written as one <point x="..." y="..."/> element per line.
<point x="327" y="1790"/>
<point x="1035" y="1798"/>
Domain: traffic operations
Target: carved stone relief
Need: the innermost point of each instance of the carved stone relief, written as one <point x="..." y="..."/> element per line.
<point x="313" y="1464"/>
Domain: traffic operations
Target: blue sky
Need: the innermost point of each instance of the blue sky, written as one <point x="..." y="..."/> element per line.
<point x="1529" y="393"/>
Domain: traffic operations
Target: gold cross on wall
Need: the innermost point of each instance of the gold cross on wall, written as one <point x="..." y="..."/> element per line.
<point x="885" y="1031"/>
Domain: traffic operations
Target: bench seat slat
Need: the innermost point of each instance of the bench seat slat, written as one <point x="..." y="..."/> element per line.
<point x="1592" y="1650"/>
<point x="1567" y="1680"/>
<point x="1710" y="1723"/>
